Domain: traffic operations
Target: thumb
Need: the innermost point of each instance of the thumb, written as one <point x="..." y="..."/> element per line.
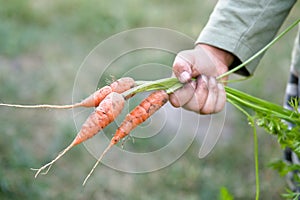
<point x="182" y="66"/>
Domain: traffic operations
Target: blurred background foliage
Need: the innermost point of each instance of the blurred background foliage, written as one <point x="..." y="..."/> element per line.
<point x="43" y="43"/>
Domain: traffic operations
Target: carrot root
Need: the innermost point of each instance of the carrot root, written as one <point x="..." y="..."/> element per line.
<point x="48" y="165"/>
<point x="41" y="106"/>
<point x="129" y="137"/>
<point x="103" y="115"/>
<point x="96" y="164"/>
<point x="119" y="86"/>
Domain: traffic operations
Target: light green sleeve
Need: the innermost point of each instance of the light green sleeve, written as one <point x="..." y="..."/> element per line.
<point x="243" y="27"/>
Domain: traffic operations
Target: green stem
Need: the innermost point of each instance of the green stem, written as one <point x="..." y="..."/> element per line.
<point x="161" y="84"/>
<point x="236" y="80"/>
<point x="261" y="51"/>
<point x="239" y="107"/>
<point x="261" y="109"/>
<point x="255" y="141"/>
<point x="174" y="88"/>
<point x="263" y="103"/>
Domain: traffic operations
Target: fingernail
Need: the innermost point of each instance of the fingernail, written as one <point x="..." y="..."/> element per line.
<point x="193" y="84"/>
<point x="204" y="78"/>
<point x="220" y="86"/>
<point x="184" y="77"/>
<point x="212" y="81"/>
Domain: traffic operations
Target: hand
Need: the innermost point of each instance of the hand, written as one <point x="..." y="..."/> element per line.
<point x="203" y="95"/>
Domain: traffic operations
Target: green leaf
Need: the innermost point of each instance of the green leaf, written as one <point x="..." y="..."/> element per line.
<point x="224" y="194"/>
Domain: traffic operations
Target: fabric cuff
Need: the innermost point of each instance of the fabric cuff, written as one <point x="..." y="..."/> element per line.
<point x="233" y="44"/>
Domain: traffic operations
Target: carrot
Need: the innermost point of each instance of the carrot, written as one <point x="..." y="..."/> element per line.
<point x="103" y="115"/>
<point x="118" y="86"/>
<point x="137" y="116"/>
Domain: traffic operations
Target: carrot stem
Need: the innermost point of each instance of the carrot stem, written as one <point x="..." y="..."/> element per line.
<point x="160" y="84"/>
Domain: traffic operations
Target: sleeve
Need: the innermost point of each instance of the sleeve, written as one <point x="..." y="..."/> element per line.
<point x="243" y="27"/>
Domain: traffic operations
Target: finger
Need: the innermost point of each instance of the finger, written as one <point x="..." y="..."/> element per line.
<point x="206" y="64"/>
<point x="182" y="66"/>
<point x="212" y="97"/>
<point x="183" y="95"/>
<point x="199" y="97"/>
<point x="221" y="98"/>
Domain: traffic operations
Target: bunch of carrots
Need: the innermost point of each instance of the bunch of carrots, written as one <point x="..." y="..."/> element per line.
<point x="108" y="102"/>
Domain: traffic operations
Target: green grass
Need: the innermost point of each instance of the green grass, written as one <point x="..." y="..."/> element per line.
<point x="42" y="45"/>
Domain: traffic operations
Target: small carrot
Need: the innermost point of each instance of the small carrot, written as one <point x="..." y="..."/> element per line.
<point x="118" y="86"/>
<point x="137" y="116"/>
<point x="103" y="115"/>
<point x="140" y="114"/>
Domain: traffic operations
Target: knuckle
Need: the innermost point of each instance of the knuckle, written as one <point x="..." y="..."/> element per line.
<point x="174" y="101"/>
<point x="206" y="111"/>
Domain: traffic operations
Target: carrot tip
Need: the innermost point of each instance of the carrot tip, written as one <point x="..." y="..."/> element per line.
<point x="47" y="166"/>
<point x="98" y="161"/>
<point x="41" y="106"/>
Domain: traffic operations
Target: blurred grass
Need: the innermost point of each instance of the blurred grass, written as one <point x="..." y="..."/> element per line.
<point x="42" y="44"/>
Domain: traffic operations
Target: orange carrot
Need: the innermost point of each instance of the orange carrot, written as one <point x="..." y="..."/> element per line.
<point x="140" y="114"/>
<point x="118" y="86"/>
<point x="104" y="114"/>
<point x="137" y="116"/>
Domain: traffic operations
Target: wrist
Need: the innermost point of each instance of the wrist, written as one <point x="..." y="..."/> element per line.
<point x="224" y="57"/>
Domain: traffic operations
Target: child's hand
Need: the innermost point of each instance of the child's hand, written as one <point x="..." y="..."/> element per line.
<point x="203" y="95"/>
